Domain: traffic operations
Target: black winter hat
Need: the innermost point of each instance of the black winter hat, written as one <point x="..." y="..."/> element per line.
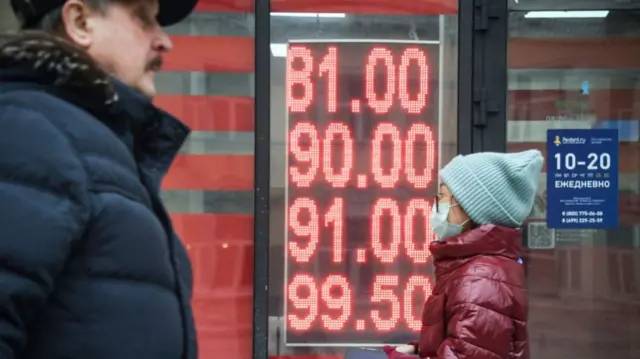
<point x="29" y="12"/>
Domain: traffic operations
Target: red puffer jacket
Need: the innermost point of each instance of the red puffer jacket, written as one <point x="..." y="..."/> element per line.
<point x="478" y="308"/>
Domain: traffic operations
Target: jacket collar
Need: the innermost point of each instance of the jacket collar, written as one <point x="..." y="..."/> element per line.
<point x="40" y="61"/>
<point x="157" y="135"/>
<point x="488" y="240"/>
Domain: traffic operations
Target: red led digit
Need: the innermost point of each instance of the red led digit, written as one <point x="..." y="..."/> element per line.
<point x="340" y="179"/>
<point x="299" y="77"/>
<point x="382" y="205"/>
<point x="301" y="253"/>
<point x="335" y="217"/>
<point x="307" y="301"/>
<point x="329" y="65"/>
<point x="418" y="205"/>
<point x="422" y="180"/>
<point x="383" y="131"/>
<point x="383" y="292"/>
<point x="340" y="301"/>
<point x="413" y="321"/>
<point x="308" y="155"/>
<point x="380" y="106"/>
<point x="418" y="56"/>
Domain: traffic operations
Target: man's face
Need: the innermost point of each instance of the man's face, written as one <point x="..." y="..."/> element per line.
<point x="126" y="40"/>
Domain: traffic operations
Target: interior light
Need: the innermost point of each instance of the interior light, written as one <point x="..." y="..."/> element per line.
<point x="577" y="14"/>
<point x="309" y="14"/>
<point x="279" y="50"/>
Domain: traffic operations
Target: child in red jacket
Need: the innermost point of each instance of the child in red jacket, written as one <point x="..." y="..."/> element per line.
<point x="478" y="308"/>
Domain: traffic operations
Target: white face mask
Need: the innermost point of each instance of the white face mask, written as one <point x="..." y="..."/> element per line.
<point x="440" y="224"/>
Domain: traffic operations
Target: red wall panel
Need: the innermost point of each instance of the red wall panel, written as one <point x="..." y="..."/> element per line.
<point x="210" y="54"/>
<point x="413" y="7"/>
<point x="210" y="172"/>
<point x="210" y="113"/>
<point x="581" y="53"/>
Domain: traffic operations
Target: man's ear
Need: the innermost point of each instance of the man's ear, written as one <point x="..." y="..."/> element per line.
<point x="78" y="22"/>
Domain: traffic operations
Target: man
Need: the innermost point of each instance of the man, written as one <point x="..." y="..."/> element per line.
<point x="89" y="265"/>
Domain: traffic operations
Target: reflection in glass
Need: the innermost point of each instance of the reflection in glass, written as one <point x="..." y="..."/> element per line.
<point x="209" y="189"/>
<point x="576" y="70"/>
<point x="358" y="135"/>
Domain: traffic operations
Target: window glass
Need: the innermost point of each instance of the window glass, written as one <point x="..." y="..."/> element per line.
<point x="209" y="188"/>
<point x="579" y="70"/>
<point x="363" y="113"/>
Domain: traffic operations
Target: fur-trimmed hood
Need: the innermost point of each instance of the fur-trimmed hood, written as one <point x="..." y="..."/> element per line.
<point x="35" y="60"/>
<point x="53" y="61"/>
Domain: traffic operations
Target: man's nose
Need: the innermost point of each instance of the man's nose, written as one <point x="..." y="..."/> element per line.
<point x="163" y="43"/>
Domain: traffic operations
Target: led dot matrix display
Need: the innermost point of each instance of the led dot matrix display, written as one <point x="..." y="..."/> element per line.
<point x="362" y="143"/>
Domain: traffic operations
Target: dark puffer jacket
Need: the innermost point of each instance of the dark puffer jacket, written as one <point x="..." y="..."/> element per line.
<point x="478" y="309"/>
<point x="90" y="267"/>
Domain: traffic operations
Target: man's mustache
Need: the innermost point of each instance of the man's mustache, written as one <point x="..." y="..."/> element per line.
<point x="155" y="64"/>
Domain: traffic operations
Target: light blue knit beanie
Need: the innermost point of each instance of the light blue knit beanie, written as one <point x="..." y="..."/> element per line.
<point x="495" y="188"/>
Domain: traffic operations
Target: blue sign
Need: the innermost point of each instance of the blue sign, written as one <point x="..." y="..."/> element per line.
<point x="628" y="130"/>
<point x="582" y="178"/>
<point x="585" y="88"/>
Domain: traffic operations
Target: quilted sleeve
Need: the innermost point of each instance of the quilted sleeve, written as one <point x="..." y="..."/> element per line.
<point x="478" y="326"/>
<point x="43" y="209"/>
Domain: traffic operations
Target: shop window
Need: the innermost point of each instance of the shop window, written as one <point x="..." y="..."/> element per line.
<point x="578" y="70"/>
<point x="344" y="73"/>
<point x="207" y="82"/>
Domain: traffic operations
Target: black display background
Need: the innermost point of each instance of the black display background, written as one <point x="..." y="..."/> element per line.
<point x="352" y="58"/>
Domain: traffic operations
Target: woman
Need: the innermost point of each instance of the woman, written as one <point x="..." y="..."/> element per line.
<point x="478" y="307"/>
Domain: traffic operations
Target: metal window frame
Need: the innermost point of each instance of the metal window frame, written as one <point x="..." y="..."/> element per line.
<point x="482" y="76"/>
<point x="262" y="174"/>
